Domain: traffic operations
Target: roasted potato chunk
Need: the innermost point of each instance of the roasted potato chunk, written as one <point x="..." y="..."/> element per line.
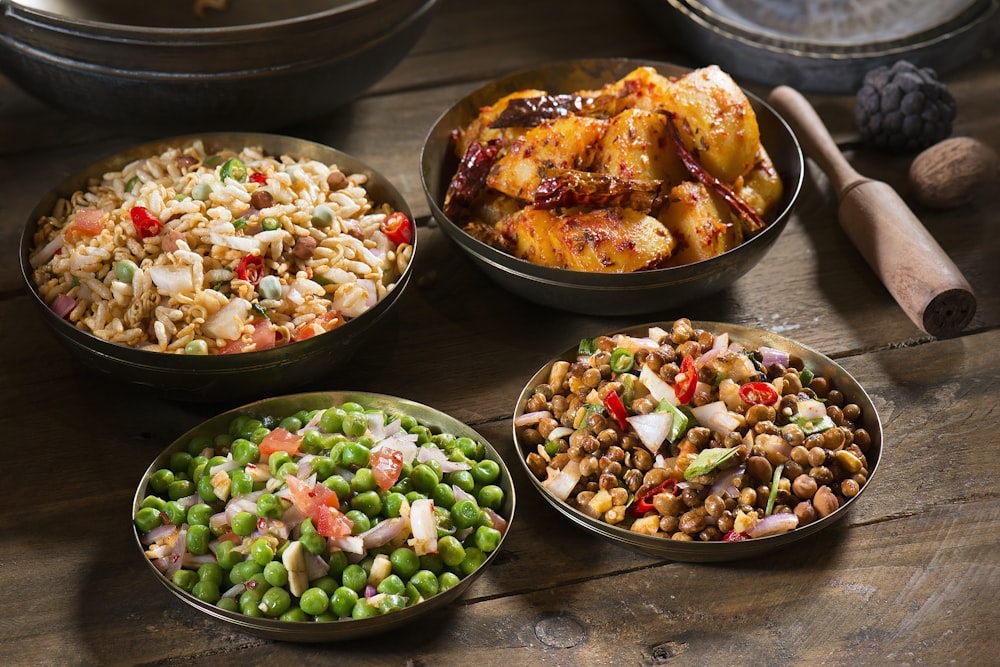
<point x="638" y="146"/>
<point x="761" y="187"/>
<point x="479" y="129"/>
<point x="700" y="222"/>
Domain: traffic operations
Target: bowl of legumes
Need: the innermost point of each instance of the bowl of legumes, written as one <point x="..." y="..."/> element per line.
<point x="323" y="516"/>
<point x="697" y="441"/>
<point x="219" y="266"/>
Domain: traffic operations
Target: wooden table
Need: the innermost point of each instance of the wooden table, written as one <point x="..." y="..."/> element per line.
<point x="909" y="577"/>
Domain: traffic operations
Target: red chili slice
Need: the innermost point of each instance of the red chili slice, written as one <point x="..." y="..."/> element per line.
<point x="258" y="177"/>
<point x="643" y="503"/>
<point x="614" y="406"/>
<point x="758" y="393"/>
<point x="398" y="228"/>
<point x="688" y="382"/>
<point x="145" y="223"/>
<point x="251" y="269"/>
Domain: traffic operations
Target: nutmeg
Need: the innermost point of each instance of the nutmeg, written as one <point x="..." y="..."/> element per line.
<point x="953" y="172"/>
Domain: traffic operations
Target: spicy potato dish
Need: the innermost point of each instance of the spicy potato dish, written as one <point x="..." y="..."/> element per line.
<point x="646" y="172"/>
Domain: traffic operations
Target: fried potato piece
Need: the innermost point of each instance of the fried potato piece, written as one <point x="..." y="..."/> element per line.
<point x="560" y="143"/>
<point x="719" y="124"/>
<point x="609" y="240"/>
<point x="643" y="88"/>
<point x="479" y="129"/>
<point x="638" y="146"/>
<point x="700" y="222"/>
<point x="761" y="187"/>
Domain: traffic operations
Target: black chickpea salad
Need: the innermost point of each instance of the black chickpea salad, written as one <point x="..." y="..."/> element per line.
<point x="685" y="434"/>
<point x="322" y="514"/>
<point x="193" y="251"/>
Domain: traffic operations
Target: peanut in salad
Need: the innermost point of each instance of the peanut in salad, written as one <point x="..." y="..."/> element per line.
<point x="687" y="435"/>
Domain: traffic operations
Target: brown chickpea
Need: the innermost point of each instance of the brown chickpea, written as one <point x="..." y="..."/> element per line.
<point x="759" y="413"/>
<point x="825" y="502"/>
<point x="558" y="405"/>
<point x="706" y="339"/>
<point x="682" y="331"/>
<point x="654" y="477"/>
<point x="710" y="534"/>
<point x="668" y="524"/>
<point x="691" y="522"/>
<point x="531" y="437"/>
<point x="820" y="385"/>
<point x="537" y="465"/>
<point x="833" y="439"/>
<point x="607" y="437"/>
<point x="644" y="405"/>
<point x="792" y="384"/>
<point x="768" y="427"/>
<point x="607" y="481"/>
<point x="793" y="435"/>
<point x="669" y="371"/>
<point x="793" y="469"/>
<point x="800" y="455"/>
<point x="835" y="414"/>
<point x="546" y="425"/>
<point x="615" y="515"/>
<point x="596" y="422"/>
<point x="632" y="480"/>
<point x="725" y="523"/>
<point x="536" y="403"/>
<point x="605" y="343"/>
<point x="760" y="468"/>
<point x="630" y="441"/>
<point x="714" y="506"/>
<point x="834" y="397"/>
<point x="805" y="512"/>
<point x="748" y="496"/>
<point x="589" y="443"/>
<point x="612" y="468"/>
<point x="642" y="460"/>
<point x="822" y="474"/>
<point x="667" y="504"/>
<point x="817" y="456"/>
<point x="849" y="487"/>
<point x="680" y="536"/>
<point x="775" y="371"/>
<point x="588" y="466"/>
<point x="804" y="486"/>
<point x="592" y="377"/>
<point x="852" y="411"/>
<point x="654" y="359"/>
<point x="545" y="390"/>
<point x="690" y="497"/>
<point x="862" y="439"/>
<point x="619" y="496"/>
<point x="573" y="453"/>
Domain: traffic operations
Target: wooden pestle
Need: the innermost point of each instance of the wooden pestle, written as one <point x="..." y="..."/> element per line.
<point x="908" y="260"/>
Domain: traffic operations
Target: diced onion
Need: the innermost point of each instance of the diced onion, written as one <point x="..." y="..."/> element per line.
<point x="811" y="409"/>
<point x="657" y="386"/>
<point x="773" y="525"/>
<point x="561" y="483"/>
<point x="770" y="356"/>
<point x="227" y="322"/>
<point x="531" y="418"/>
<point x="717" y="417"/>
<point x="652" y="428"/>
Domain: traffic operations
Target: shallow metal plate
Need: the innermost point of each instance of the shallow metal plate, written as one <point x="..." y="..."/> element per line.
<point x="704" y="552"/>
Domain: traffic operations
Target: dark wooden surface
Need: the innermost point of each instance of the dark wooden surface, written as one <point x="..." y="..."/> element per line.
<point x="908" y="578"/>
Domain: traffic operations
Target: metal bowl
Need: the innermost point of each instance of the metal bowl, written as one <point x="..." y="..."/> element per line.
<point x="602" y="293"/>
<point x="348" y="628"/>
<point x="246" y="375"/>
<point x="256" y="65"/>
<point x="703" y="552"/>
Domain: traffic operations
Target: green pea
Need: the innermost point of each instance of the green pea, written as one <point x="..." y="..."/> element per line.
<point x="211" y="572"/>
<point x="354" y="424"/>
<point x="313" y="542"/>
<point x="235" y="169"/>
<point x="465" y="513"/>
<point x="332" y="420"/>
<point x="391" y="585"/>
<point x="275" y="601"/>
<point x="444" y="522"/>
<point x="338" y="485"/>
<point x="487" y="539"/>
<point x="323" y="466"/>
<point x="206" y="591"/>
<point x="432" y="562"/>
<point x="451" y="550"/>
<point x="125" y="270"/>
<point x="244" y="523"/>
<point x="276" y="460"/>
<point x="240" y="483"/>
<point x="337" y="563"/>
<point x="363" y="480"/>
<point x="342" y="601"/>
<point x="250" y="608"/>
<point x="294" y="615"/>
<point x="196" y="347"/>
<point x="474" y="557"/>
<point x="198" y="538"/>
<point x="258" y="434"/>
<point x="269" y="287"/>
<point x="148" y="518"/>
<point x="201" y="192"/>
<point x="443" y="495"/>
<point x="424" y="478"/>
<point x="180" y="488"/>
<point x="243" y="571"/>
<point x="174" y="512"/>
<point x="185" y="579"/>
<point x="355" y="577"/>
<point x="355" y="455"/>
<point x="262" y="552"/>
<point x="391" y="602"/>
<point x="362" y="609"/>
<point x="199" y="514"/>
<point x="245" y="452"/>
<point x="161" y="479"/>
<point x="405" y="562"/>
<point x="470" y="448"/>
<point x="243" y="426"/>
<point x="154" y="502"/>
<point x="226" y="557"/>
<point x="179" y="461"/>
<point x="463" y="479"/>
<point x="269" y="506"/>
<point x="314" y="601"/>
<point x="414" y="495"/>
<point x="205" y="488"/>
<point x="407" y="422"/>
<point x="291" y="423"/>
<point x="491" y="496"/>
<point x="326" y="583"/>
<point x="392" y="504"/>
<point x="486" y="471"/>
<point x="228" y="604"/>
<point x="270" y="224"/>
<point x="368" y="502"/>
<point x="423" y="434"/>
<point x="322" y="216"/>
<point x="403" y="485"/>
<point x="426" y="583"/>
<point x="286" y="469"/>
<point x="443" y="440"/>
<point x="360" y="519"/>
<point x="200" y="445"/>
<point x="447" y="580"/>
<point x="275" y="573"/>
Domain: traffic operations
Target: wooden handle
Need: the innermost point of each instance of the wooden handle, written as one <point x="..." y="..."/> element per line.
<point x="907" y="259"/>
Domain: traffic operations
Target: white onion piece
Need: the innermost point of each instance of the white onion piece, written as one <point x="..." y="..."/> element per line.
<point x="498" y="521"/>
<point x="717" y="417"/>
<point x="561" y="483"/>
<point x="811" y="409"/>
<point x="351" y="544"/>
<point x="160" y="532"/>
<point x="172" y="280"/>
<point x="652" y="428"/>
<point x="242" y="243"/>
<point x="383" y="532"/>
<point x="227" y="322"/>
<point x="531" y="418"/>
<point x="770" y="356"/>
<point x="423" y="526"/>
<point x="725" y="480"/>
<point x="773" y="525"/>
<point x="316" y="566"/>
<point x="657" y="386"/>
<point x="404" y="443"/>
<point x="46" y="252"/>
<point x="560" y="432"/>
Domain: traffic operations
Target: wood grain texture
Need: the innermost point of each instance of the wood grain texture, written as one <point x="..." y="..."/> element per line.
<point x="907" y="577"/>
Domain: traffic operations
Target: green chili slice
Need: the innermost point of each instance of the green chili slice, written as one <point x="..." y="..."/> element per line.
<point x="622" y="360"/>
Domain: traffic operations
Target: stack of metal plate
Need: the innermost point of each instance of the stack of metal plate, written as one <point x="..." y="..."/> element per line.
<point x="827" y="45"/>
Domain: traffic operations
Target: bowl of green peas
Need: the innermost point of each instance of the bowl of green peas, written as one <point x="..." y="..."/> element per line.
<point x="323" y="516"/>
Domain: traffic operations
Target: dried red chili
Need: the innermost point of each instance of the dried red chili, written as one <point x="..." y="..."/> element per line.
<point x="251" y="269"/>
<point x="145" y="223"/>
<point x="644" y="502"/>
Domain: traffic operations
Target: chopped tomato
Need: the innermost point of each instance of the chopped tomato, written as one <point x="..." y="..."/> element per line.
<point x="279" y="440"/>
<point x="397" y="227"/>
<point x="87" y="221"/>
<point x="307" y="498"/>
<point x="233" y="346"/>
<point x="686" y="381"/>
<point x="386" y="464"/>
<point x="331" y="522"/>
<point x="263" y="335"/>
<point x="326" y="322"/>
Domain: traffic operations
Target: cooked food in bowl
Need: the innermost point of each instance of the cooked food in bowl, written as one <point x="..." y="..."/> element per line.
<point x="196" y="252"/>
<point x="323" y="507"/>
<point x="643" y="173"/>
<point x="690" y="435"/>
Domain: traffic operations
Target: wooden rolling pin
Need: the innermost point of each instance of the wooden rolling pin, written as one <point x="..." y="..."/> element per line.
<point x="913" y="267"/>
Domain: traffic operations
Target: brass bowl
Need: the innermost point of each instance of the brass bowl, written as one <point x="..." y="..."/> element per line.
<point x="308" y="631"/>
<point x="602" y="293"/>
<point x="704" y="552"/>
<point x="229" y="377"/>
